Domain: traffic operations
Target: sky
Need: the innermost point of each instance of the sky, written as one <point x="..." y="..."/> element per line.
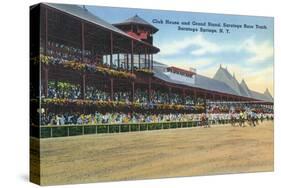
<point x="246" y="52"/>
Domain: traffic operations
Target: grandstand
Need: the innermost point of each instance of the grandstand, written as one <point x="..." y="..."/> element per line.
<point x="222" y="82"/>
<point x="94" y="72"/>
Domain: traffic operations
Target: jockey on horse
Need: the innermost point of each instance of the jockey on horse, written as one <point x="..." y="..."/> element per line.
<point x="241" y="119"/>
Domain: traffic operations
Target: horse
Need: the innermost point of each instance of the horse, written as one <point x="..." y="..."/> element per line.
<point x="241" y="120"/>
<point x="232" y="120"/>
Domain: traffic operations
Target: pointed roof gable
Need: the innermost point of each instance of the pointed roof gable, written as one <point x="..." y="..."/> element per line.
<point x="267" y="94"/>
<point x="245" y="88"/>
<point x="137" y="20"/>
<point x="224" y="76"/>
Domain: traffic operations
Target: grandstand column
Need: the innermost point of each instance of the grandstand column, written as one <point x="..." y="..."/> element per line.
<point x="145" y="58"/>
<point x="195" y="96"/>
<point x="151" y="61"/>
<point x="46" y="31"/>
<point x="111" y="49"/>
<point x="46" y="71"/>
<point x="132" y="56"/>
<point x="133" y="92"/>
<point x="183" y="93"/>
<point x="92" y="55"/>
<point x="83" y="86"/>
<point x="148" y="61"/>
<point x="205" y="102"/>
<point x="118" y="60"/>
<point x="111" y="89"/>
<point x="46" y="80"/>
<point x="149" y="89"/>
<point x="82" y="41"/>
<point x="139" y="61"/>
<point x="127" y="62"/>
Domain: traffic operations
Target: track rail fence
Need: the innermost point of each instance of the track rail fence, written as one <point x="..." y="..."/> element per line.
<point x="48" y="131"/>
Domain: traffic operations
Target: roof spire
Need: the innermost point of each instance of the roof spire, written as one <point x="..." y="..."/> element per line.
<point x="84" y="7"/>
<point x="268" y="93"/>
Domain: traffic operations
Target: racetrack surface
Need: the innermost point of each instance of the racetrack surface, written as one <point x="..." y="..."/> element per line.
<point x="156" y="154"/>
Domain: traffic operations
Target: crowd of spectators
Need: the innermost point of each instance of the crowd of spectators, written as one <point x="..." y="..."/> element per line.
<point x="62" y="52"/>
<point x="96" y="94"/>
<point x="73" y="91"/>
<point x="141" y="96"/>
<point x="119" y="118"/>
<point x="233" y="107"/>
<point x="63" y="90"/>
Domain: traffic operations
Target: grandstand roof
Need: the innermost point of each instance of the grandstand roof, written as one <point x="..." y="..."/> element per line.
<point x="82" y="13"/>
<point x="222" y="82"/>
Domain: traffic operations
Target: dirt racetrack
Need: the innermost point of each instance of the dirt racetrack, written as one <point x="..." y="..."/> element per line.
<point x="156" y="154"/>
